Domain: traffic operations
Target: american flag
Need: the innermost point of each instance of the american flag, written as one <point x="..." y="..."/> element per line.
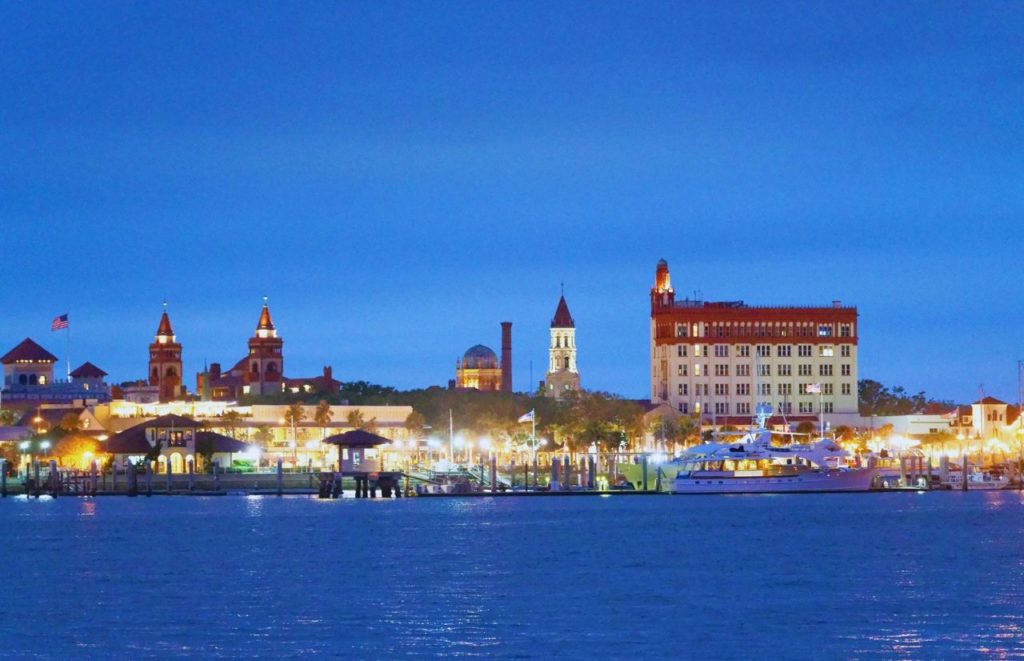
<point x="59" y="322"/>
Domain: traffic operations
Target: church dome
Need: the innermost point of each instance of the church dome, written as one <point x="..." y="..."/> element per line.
<point x="479" y="357"/>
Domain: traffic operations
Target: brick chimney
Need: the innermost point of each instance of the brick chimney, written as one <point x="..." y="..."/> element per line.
<point x="506" y="356"/>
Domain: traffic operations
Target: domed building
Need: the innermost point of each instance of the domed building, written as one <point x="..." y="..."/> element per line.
<point x="478" y="368"/>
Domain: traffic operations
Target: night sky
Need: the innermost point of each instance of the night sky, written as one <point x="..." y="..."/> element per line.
<point x="399" y="178"/>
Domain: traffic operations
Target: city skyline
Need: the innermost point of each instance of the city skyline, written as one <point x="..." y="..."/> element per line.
<point x="400" y="179"/>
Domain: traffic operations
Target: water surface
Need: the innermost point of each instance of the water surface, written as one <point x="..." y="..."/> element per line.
<point x="799" y="576"/>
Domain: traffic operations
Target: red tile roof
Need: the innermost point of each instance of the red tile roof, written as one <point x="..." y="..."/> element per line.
<point x="28" y="350"/>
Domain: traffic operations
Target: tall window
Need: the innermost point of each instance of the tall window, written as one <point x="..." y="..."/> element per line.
<point x="844" y="351"/>
<point x="721" y="351"/>
<point x="743" y="351"/>
<point x="681" y="350"/>
<point x="804" y="351"/>
<point x="846" y="369"/>
<point x="824" y="370"/>
<point x="784" y="350"/>
<point x="721" y="370"/>
<point x="743" y="370"/>
<point x="785" y="370"/>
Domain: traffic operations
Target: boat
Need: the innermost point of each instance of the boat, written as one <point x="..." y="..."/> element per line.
<point x="660" y="472"/>
<point x="751" y="464"/>
<point x="977" y="480"/>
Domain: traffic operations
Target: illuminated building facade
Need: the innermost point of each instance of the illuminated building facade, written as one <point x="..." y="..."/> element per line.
<point x="478" y="369"/>
<point x="165" y="362"/>
<point x="720" y="359"/>
<point x="28" y="377"/>
<point x="562" y="377"/>
<point x="261" y="371"/>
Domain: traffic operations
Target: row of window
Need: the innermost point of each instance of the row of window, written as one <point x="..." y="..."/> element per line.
<point x="764" y="350"/>
<point x="744" y="408"/>
<point x="761" y="329"/>
<point x="763" y="370"/>
<point x="763" y="389"/>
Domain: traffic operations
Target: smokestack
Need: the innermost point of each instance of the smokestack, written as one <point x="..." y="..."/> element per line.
<point x="506" y="356"/>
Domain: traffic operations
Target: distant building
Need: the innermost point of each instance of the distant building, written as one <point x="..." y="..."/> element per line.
<point x="261" y="371"/>
<point x="563" y="377"/>
<point x="28" y="377"/>
<point x="479" y="368"/>
<point x="722" y="358"/>
<point x="165" y="362"/>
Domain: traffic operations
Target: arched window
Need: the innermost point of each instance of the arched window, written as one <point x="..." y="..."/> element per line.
<point x="33" y="379"/>
<point x="156" y="373"/>
<point x="255" y="369"/>
<point x="271" y="367"/>
<point x="171" y="372"/>
<point x="566" y="362"/>
<point x="23" y="380"/>
<point x="42" y="379"/>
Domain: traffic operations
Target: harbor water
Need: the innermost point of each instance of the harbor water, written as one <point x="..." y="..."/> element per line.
<point x="894" y="575"/>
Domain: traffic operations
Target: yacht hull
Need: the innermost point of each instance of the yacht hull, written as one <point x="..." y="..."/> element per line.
<point x="834" y="481"/>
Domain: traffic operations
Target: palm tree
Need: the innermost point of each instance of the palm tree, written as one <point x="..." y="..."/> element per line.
<point x="322" y="416"/>
<point x="293" y="415"/>
<point x="231" y="421"/>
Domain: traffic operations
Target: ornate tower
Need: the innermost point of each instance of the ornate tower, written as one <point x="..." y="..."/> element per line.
<point x="662" y="294"/>
<point x="562" y="377"/>
<point x="165" y="361"/>
<point x="266" y="358"/>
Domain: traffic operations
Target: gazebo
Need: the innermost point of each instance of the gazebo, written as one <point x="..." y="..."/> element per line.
<point x="360" y="457"/>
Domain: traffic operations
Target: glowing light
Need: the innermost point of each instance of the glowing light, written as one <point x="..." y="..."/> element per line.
<point x="485" y="443"/>
<point x="23" y="445"/>
<point x="45" y="445"/>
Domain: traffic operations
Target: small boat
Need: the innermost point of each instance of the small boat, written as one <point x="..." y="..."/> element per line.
<point x="977" y="480"/>
<point x="751" y="464"/>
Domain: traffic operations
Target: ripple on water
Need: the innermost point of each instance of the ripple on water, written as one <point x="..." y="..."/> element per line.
<point x="894" y="575"/>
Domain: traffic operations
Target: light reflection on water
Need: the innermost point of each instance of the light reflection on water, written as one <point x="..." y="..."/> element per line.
<point x="893" y="575"/>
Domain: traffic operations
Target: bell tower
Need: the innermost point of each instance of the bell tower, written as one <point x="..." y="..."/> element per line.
<point x="562" y="377"/>
<point x="266" y="357"/>
<point x="165" y="361"/>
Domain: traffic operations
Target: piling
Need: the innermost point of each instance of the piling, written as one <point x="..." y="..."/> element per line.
<point x="944" y="469"/>
<point x="35" y="483"/>
<point x="93" y="477"/>
<point x="113" y="477"/>
<point x="167" y="473"/>
<point x="3" y="478"/>
<point x="643" y="471"/>
<point x="526" y="476"/>
<point x="216" y="476"/>
<point x="554" y="475"/>
<point x="928" y="466"/>
<point x="591" y="472"/>
<point x="133" y="480"/>
<point x="280" y="477"/>
<point x="566" y="472"/>
<point x="191" y="474"/>
<point x="494" y="474"/>
<point x="149" y="478"/>
<point x="964" y="472"/>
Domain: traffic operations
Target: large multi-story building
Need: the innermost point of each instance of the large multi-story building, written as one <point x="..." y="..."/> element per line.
<point x="720" y="359"/>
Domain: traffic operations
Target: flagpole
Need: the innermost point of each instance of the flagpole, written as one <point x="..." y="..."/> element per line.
<point x="67" y="347"/>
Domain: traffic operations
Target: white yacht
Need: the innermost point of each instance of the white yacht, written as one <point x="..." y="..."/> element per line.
<point x="977" y="480"/>
<point x="751" y="464"/>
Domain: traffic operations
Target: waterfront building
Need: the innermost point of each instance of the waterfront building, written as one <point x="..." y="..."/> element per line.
<point x="479" y="367"/>
<point x="165" y="362"/>
<point x="261" y="371"/>
<point x="563" y="377"/>
<point x="28" y="378"/>
<point x="718" y="360"/>
<point x="180" y="440"/>
<point x="261" y="425"/>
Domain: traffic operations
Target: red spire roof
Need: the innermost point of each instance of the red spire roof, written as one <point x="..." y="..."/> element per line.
<point x="28" y="350"/>
<point x="265" y="321"/>
<point x="562" y="317"/>
<point x="165" y="325"/>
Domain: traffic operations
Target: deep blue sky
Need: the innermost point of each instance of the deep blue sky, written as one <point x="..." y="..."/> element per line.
<point x="399" y="178"/>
